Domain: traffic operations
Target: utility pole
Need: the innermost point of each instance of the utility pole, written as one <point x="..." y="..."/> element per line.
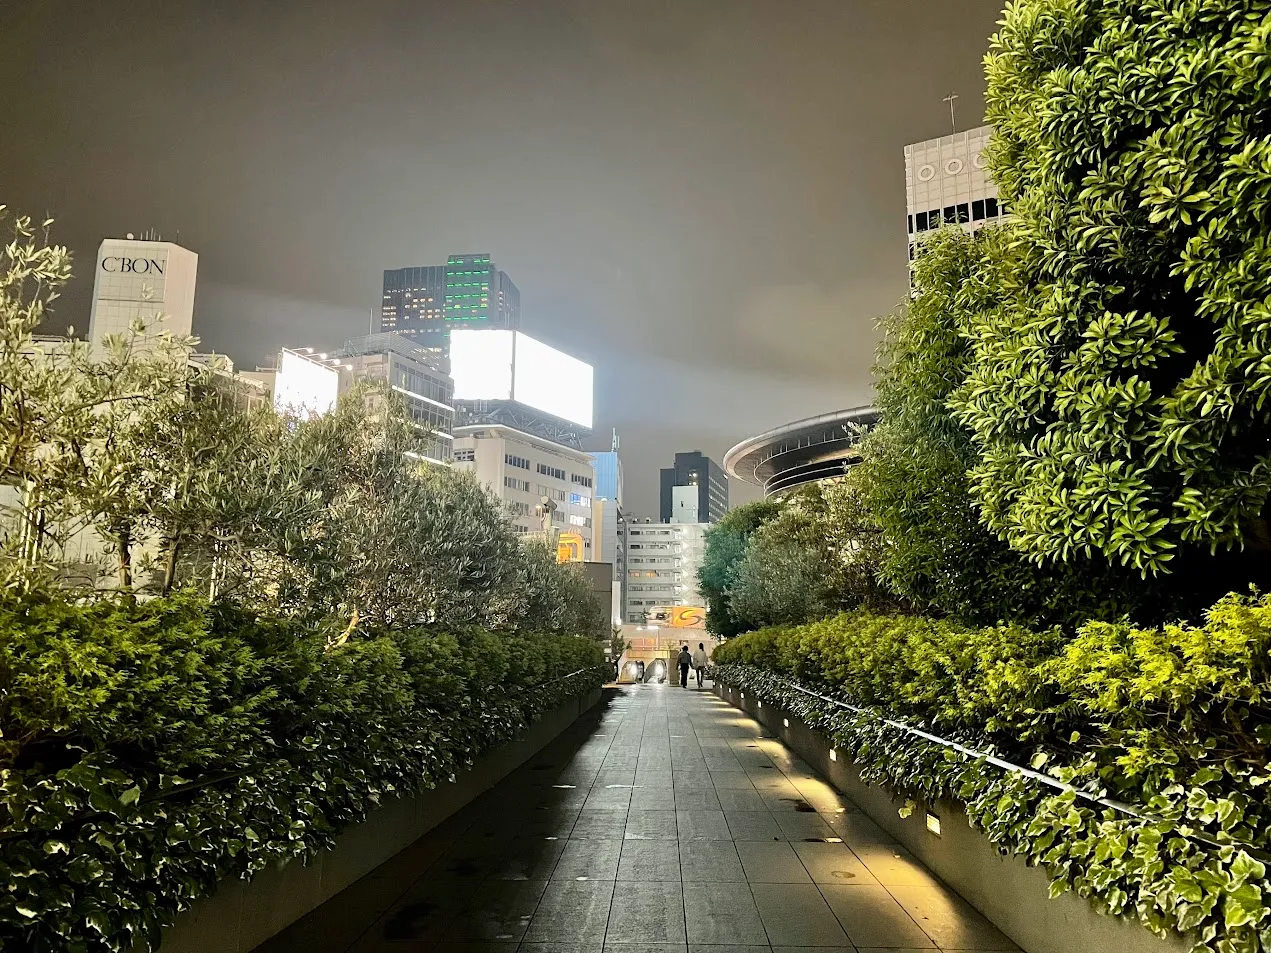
<point x="950" y="99"/>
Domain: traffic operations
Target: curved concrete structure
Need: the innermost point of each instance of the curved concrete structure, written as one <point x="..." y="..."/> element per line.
<point x="804" y="451"/>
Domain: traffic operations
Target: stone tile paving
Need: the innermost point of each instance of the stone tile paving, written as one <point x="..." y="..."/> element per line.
<point x="663" y="822"/>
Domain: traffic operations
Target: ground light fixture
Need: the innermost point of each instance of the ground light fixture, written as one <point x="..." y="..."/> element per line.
<point x="834" y="755"/>
<point x="786" y="722"/>
<point x="933" y="823"/>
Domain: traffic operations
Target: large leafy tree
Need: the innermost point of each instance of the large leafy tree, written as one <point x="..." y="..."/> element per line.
<point x="1118" y="396"/>
<point x="914" y="479"/>
<point x="816" y="557"/>
<point x="726" y="544"/>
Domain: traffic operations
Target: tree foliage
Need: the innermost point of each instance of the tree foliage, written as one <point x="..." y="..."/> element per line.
<point x="187" y="485"/>
<point x="1118" y="394"/>
<point x="726" y="544"/>
<point x="814" y="558"/>
<point x="913" y="478"/>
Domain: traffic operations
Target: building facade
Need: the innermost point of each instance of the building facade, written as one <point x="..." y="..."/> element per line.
<point x="413" y="304"/>
<point x="142" y="279"/>
<point x="305" y="382"/>
<point x="426" y="301"/>
<point x="530" y="474"/>
<point x="410" y="370"/>
<point x="947" y="183"/>
<point x="697" y="470"/>
<point x="662" y="564"/>
<point x="608" y="521"/>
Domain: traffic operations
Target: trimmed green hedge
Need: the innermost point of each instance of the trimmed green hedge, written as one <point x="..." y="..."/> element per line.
<point x="148" y="751"/>
<point x="1175" y="722"/>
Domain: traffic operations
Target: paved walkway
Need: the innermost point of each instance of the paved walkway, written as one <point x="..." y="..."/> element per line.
<point x="665" y="821"/>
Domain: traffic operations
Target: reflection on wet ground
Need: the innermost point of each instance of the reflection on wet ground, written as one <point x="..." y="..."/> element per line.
<point x="666" y="821"/>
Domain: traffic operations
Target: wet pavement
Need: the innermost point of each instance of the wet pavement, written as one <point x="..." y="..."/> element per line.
<point x="664" y="820"/>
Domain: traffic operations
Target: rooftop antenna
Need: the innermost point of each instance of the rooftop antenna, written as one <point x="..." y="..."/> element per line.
<point x="614" y="446"/>
<point x="951" y="99"/>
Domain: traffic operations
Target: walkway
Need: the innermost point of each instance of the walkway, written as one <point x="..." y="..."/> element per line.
<point x="666" y="821"/>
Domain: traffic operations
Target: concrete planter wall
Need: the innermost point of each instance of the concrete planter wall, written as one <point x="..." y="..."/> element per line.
<point x="243" y="914"/>
<point x="1012" y="895"/>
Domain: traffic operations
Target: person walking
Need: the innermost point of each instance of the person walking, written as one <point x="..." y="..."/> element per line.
<point x="684" y="660"/>
<point x="700" y="661"/>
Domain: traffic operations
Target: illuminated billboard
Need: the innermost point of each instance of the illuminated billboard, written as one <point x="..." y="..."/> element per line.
<point x="551" y="381"/>
<point x="304" y="387"/>
<point x="509" y="365"/>
<point x="481" y="364"/>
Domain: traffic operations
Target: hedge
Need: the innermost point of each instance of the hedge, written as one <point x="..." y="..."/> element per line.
<point x="1173" y="723"/>
<point x="149" y="751"/>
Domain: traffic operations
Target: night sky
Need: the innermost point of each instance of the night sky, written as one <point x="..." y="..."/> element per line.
<point x="703" y="198"/>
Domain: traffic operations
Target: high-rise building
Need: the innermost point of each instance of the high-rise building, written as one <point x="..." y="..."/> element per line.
<point x="135" y="278"/>
<point x="699" y="471"/>
<point x="413" y="302"/>
<point x="427" y="301"/>
<point x="947" y="183"/>
<point x="662" y="564"/>
<point x="479" y="295"/>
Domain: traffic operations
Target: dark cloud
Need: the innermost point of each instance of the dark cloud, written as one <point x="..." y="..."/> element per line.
<point x="704" y="198"/>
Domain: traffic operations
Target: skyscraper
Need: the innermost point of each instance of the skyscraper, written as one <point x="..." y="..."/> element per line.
<point x="479" y="295"/>
<point x="413" y="303"/>
<point x="697" y="470"/>
<point x="425" y="302"/>
<point x="947" y="183"/>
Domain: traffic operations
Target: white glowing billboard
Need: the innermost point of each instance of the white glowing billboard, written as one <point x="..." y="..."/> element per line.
<point x="481" y="364"/>
<point x="509" y="365"/>
<point x="304" y="387"/>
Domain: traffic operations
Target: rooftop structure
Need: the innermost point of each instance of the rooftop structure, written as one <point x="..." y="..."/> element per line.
<point x="805" y="451"/>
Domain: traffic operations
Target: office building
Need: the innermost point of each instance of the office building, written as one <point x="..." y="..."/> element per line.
<point x="947" y="183"/>
<point x="662" y="564"/>
<point x="709" y="483"/>
<point x="410" y="370"/>
<point x="413" y="303"/>
<point x="546" y="487"/>
<point x="426" y="302"/>
<point x="135" y="278"/>
<point x="479" y="295"/>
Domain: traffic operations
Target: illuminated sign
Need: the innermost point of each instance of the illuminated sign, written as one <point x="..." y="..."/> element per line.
<point x="481" y="364"/>
<point x="304" y="387"/>
<point x="569" y="548"/>
<point x="509" y="365"/>
<point x="679" y="617"/>
<point x="552" y="381"/>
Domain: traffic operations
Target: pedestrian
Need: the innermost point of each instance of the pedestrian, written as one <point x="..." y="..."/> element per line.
<point x="684" y="660"/>
<point x="700" y="661"/>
